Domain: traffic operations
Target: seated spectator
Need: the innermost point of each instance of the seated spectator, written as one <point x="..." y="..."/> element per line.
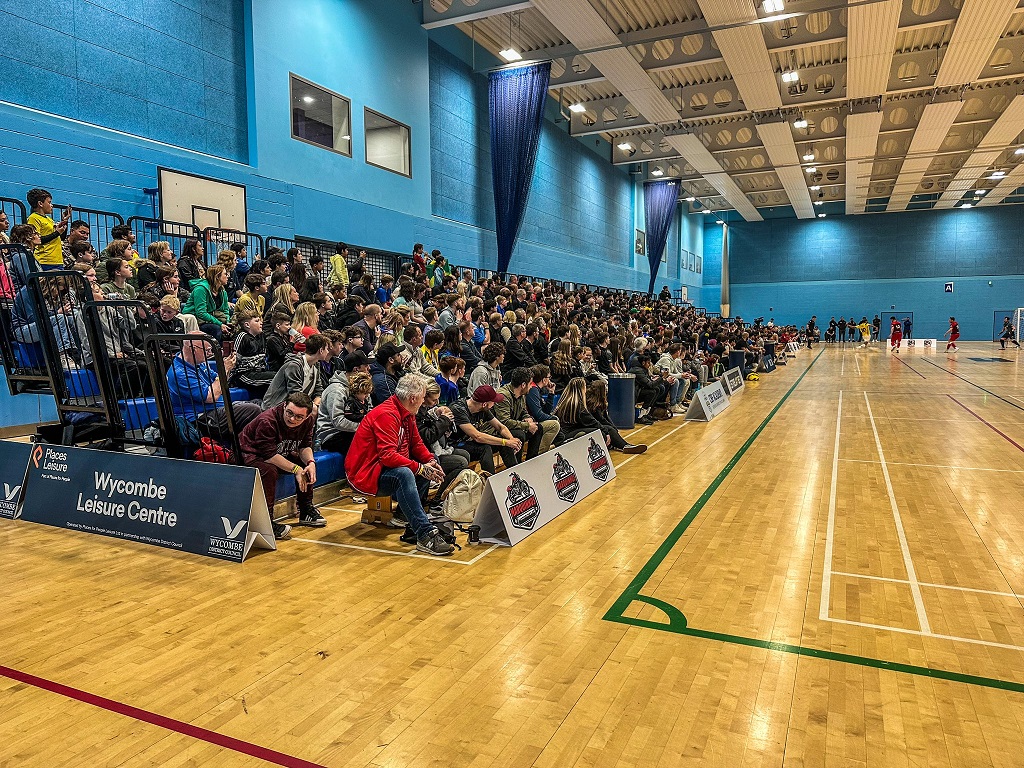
<point x="363" y="288"/>
<point x="83" y="253"/>
<point x="433" y="342"/>
<point x="437" y="429"/>
<point x="452" y="369"/>
<point x="305" y="322"/>
<point x="564" y="366"/>
<point x="536" y="405"/>
<point x="450" y="315"/>
<point x="514" y="414"/>
<point x="680" y="380"/>
<point x="518" y="351"/>
<point x="597" y="404"/>
<point x="650" y="393"/>
<point x="285" y="299"/>
<point x="195" y="389"/>
<point x="383" y="293"/>
<point x="127" y="363"/>
<point x="251" y="370"/>
<point x="488" y="370"/>
<point x="480" y="431"/>
<point x="253" y="299"/>
<point x="369" y="326"/>
<point x="190" y="262"/>
<point x="158" y="254"/>
<point x="386" y="370"/>
<point x="119" y="271"/>
<point x="209" y="302"/>
<point x="572" y="412"/>
<point x="388" y="457"/>
<point x="279" y="341"/>
<point x="166" y="319"/>
<point x="416" y="360"/>
<point x="300" y="373"/>
<point x="77" y="234"/>
<point x="310" y="287"/>
<point x="346" y="400"/>
<point x="468" y="350"/>
<point x="281" y="440"/>
<point x="349" y="313"/>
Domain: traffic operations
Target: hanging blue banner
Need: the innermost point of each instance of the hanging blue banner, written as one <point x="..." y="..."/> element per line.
<point x="13" y="462"/>
<point x="215" y="510"/>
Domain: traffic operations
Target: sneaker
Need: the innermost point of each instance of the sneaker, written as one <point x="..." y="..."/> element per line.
<point x="434" y="544"/>
<point x="358" y="499"/>
<point x="645" y="420"/>
<point x="408" y="536"/>
<point x="397" y="522"/>
<point x="282" y="532"/>
<point x="630" y="448"/>
<point x="312" y="518"/>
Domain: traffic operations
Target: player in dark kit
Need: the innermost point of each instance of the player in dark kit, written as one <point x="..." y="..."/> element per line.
<point x="954" y="334"/>
<point x="1008" y="334"/>
<point x="895" y="334"/>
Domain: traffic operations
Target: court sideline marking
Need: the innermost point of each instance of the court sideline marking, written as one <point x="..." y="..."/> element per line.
<point x="677" y="623"/>
<point x="995" y="429"/>
<point x="826" y="576"/>
<point x="161" y="721"/>
<point x="963" y="378"/>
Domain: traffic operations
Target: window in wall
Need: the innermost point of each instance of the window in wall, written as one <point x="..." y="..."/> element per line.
<point x="321" y="117"/>
<point x="388" y="143"/>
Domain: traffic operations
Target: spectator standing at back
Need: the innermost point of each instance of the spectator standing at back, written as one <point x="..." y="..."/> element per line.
<point x="337" y="273"/>
<point x="280" y="440"/>
<point x="908" y="328"/>
<point x="48" y="253"/>
<point x="876" y="328"/>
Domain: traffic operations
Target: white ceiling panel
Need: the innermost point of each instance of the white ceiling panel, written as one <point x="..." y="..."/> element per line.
<point x="778" y="142"/>
<point x="872" y="40"/>
<point x="931" y="132"/>
<point x="977" y="30"/>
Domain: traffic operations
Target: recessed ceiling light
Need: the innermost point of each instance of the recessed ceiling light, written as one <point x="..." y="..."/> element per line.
<point x="577" y="108"/>
<point x="980" y="192"/>
<point x="966" y="205"/>
<point x="772" y="6"/>
<point x="811" y="169"/>
<point x="346" y="138"/>
<point x="809" y="157"/>
<point x="625" y="146"/>
<point x="815" y="188"/>
<point x="691" y="199"/>
<point x="1019" y="151"/>
<point x="819" y="202"/>
<point x="821" y="215"/>
<point x="308" y="99"/>
<point x="510" y="54"/>
<point x="790" y="76"/>
<point x="657" y="172"/>
<point x="997" y="174"/>
<point x="800" y="124"/>
<point x="708" y="210"/>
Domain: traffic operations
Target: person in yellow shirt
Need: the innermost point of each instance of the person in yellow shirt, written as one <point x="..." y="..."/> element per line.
<point x="252" y="299"/>
<point x="48" y="252"/>
<point x="865" y="332"/>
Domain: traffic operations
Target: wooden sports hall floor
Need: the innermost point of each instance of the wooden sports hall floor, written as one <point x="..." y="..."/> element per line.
<point x="828" y="574"/>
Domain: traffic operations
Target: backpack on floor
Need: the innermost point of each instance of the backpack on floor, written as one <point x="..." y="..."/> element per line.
<point x="463" y="496"/>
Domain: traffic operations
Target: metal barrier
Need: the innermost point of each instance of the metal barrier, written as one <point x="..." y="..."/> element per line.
<point x="100" y="224"/>
<point x="20" y="351"/>
<point x="174" y="232"/>
<point x="183" y="419"/>
<point x="221" y="239"/>
<point x="15" y="210"/>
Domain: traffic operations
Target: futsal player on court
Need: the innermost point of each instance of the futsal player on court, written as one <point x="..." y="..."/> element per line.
<point x="865" y="332"/>
<point x="954" y="334"/>
<point x="895" y="334"/>
<point x="1008" y="334"/>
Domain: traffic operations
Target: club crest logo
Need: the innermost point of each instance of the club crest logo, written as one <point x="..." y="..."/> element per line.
<point x="567" y="485"/>
<point x="598" y="459"/>
<point x="522" y="504"/>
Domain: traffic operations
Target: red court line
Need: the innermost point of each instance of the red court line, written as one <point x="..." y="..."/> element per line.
<point x="994" y="429"/>
<point x="237" y="745"/>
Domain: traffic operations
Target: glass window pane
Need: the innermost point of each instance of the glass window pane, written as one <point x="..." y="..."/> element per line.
<point x="321" y="117"/>
<point x="388" y="143"/>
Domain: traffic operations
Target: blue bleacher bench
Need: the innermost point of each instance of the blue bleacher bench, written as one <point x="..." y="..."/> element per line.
<point x="330" y="467"/>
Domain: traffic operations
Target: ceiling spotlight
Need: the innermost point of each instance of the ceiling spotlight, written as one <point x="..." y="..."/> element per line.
<point x="821" y="215"/>
<point x="510" y="54"/>
<point x="772" y="6"/>
<point x="691" y="199"/>
<point x="966" y="205"/>
<point x="308" y="99"/>
<point x="346" y="138"/>
<point x="708" y="210"/>
<point x="997" y="174"/>
<point x="809" y="157"/>
<point x="819" y="202"/>
<point x="811" y="169"/>
<point x="800" y="124"/>
<point x="815" y="188"/>
<point x="1019" y="151"/>
<point x="790" y="76"/>
<point x="981" y="192"/>
<point x="657" y="172"/>
<point x="577" y="108"/>
<point x="625" y="146"/>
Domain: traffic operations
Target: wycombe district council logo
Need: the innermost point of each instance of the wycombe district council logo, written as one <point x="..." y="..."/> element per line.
<point x="521" y="503"/>
<point x="567" y="485"/>
<point x="598" y="459"/>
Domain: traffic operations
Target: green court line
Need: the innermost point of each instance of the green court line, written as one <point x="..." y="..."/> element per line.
<point x="677" y="623"/>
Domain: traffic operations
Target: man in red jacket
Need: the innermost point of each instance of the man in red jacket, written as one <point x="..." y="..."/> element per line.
<point x="388" y="458"/>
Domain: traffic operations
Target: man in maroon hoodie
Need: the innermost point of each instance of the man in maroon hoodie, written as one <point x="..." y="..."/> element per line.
<point x="388" y="458"/>
<point x="281" y="440"/>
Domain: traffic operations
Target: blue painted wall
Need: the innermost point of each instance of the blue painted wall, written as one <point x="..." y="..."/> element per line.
<point x="865" y="264"/>
<point x="171" y="71"/>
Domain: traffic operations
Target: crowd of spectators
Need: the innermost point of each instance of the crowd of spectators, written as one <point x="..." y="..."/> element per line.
<point x="413" y="377"/>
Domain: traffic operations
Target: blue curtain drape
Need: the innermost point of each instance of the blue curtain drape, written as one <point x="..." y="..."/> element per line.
<point x="516" y="99"/>
<point x="660" y="199"/>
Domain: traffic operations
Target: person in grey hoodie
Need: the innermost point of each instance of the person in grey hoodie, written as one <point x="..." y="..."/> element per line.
<point x="300" y="373"/>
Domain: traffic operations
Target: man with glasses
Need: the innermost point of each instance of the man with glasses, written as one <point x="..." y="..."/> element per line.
<point x="281" y="441"/>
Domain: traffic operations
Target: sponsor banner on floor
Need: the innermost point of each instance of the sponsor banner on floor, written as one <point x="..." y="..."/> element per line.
<point x="215" y="510"/>
<point x="521" y="500"/>
<point x="708" y="403"/>
<point x="13" y="463"/>
<point x="919" y="345"/>
<point x="733" y="381"/>
<point x="792" y="348"/>
<point x="767" y="364"/>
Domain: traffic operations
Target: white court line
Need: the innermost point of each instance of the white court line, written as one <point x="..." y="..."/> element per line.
<point x="412" y="553"/>
<point x="926" y="584"/>
<point x="937" y="466"/>
<point x="908" y="563"/>
<point x="856" y="360"/>
<point x="826" y="581"/>
<point x="919" y="633"/>
<point x="842" y="369"/>
<point x="624" y="463"/>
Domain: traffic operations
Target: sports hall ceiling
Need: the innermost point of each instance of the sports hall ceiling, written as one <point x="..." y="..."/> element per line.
<point x="909" y="104"/>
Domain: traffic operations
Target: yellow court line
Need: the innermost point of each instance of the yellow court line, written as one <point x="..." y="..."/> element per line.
<point x="927" y="584"/>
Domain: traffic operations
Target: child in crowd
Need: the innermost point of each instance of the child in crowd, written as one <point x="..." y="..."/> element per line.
<point x="279" y="342"/>
<point x="250" y="370"/>
<point x="48" y="252"/>
<point x="253" y="298"/>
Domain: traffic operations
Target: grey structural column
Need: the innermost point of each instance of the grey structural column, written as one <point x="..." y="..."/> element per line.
<point x="725" y="271"/>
